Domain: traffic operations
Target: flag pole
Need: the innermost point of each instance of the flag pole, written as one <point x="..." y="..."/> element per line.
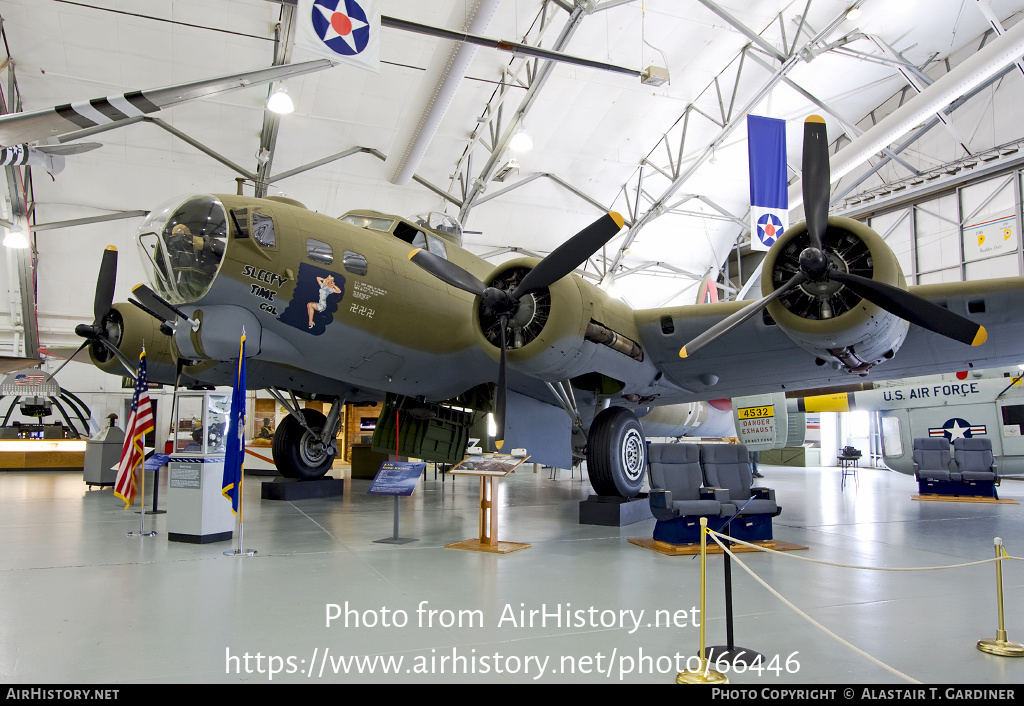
<point x="141" y="468"/>
<point x="235" y="453"/>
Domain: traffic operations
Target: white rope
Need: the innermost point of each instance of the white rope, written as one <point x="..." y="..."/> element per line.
<point x="716" y="535"/>
<point x="812" y="621"/>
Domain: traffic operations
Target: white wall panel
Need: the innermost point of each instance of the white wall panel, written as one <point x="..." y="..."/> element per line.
<point x="938" y="235"/>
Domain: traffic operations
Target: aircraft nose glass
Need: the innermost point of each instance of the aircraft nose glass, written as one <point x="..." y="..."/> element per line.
<point x="184" y="247"/>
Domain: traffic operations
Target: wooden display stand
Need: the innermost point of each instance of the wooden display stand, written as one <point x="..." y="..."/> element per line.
<point x="490" y="468"/>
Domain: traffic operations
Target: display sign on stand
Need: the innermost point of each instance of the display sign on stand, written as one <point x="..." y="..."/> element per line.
<point x="490" y="468"/>
<point x="398" y="479"/>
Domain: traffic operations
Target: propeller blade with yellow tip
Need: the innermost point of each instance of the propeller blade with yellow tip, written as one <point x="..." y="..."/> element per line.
<point x="105" y="282"/>
<point x="914" y="309"/>
<point x="816" y="178"/>
<point x="570" y="254"/>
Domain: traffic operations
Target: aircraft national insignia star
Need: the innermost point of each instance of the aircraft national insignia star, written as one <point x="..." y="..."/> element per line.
<point x="769" y="228"/>
<point x="342" y="25"/>
<point x="957" y="428"/>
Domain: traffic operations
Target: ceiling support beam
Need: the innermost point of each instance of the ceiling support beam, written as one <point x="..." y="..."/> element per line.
<point x="284" y="41"/>
<point x="993" y="21"/>
<point x="920" y="132"/>
<point x="201" y="147"/>
<point x="437" y="88"/>
<point x="851" y="130"/>
<point x="745" y="31"/>
<point x="659" y="207"/>
<point x="121" y="215"/>
<point x="919" y="81"/>
<point x="975" y="71"/>
<point x="547" y="175"/>
<point x="478" y="185"/>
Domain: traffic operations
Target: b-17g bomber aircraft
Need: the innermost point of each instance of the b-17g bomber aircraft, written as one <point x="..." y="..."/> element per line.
<point x="374" y="306"/>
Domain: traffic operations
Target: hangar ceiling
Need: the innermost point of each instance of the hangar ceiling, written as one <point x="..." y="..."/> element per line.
<point x="671" y="158"/>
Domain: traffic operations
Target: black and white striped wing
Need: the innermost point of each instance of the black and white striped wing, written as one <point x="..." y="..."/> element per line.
<point x="19" y="128"/>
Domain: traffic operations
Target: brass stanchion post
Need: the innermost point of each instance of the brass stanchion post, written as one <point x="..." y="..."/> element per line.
<point x="1000" y="645"/>
<point x="703" y="674"/>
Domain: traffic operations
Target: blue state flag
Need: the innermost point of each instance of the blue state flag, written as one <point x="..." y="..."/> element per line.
<point x="234" y="454"/>
<point x="769" y="194"/>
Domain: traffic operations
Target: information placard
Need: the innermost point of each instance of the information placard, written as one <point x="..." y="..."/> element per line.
<point x="397" y="478"/>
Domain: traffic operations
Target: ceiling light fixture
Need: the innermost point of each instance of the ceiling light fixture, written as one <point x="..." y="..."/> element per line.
<point x="280" y="102"/>
<point x="521" y="142"/>
<point x="15" y="238"/>
<point x="853" y="13"/>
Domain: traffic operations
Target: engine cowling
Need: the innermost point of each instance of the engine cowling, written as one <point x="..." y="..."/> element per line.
<point x="546" y="333"/>
<point x="129" y="328"/>
<point x="827" y="318"/>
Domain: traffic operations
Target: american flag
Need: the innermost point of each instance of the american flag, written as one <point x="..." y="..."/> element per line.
<point x="140" y="422"/>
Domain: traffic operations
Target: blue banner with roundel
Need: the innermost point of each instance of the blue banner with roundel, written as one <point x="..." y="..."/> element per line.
<point x="769" y="193"/>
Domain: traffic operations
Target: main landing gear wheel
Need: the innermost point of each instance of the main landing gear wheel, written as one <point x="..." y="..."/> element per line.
<point x="299" y="454"/>
<point x="616" y="453"/>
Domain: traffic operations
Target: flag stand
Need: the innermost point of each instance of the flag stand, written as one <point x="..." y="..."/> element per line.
<point x="140" y="421"/>
<point x="142" y="502"/>
<point x="238" y="551"/>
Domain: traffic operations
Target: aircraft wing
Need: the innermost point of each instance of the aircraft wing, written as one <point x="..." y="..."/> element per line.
<point x="10" y="364"/>
<point x="756" y="358"/>
<point x="17" y="128"/>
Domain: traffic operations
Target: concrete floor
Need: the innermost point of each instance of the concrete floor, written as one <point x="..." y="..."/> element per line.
<point x="80" y="602"/>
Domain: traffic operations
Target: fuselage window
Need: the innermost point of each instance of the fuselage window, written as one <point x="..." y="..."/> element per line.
<point x="892" y="441"/>
<point x="318" y="251"/>
<point x="1013" y="416"/>
<point x="354" y="262"/>
<point x="263" y="229"/>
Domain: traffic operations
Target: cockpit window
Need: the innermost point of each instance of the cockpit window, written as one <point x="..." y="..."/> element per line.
<point x="437" y="246"/>
<point x="183" y="243"/>
<point x="442" y="222"/>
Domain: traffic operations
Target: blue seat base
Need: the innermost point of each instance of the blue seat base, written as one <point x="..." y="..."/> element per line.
<point x="686" y="529"/>
<point x="967" y="488"/>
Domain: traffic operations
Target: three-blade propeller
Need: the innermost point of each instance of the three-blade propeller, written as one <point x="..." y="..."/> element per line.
<point x="815" y="265"/>
<point x="103" y="302"/>
<point x="562" y="260"/>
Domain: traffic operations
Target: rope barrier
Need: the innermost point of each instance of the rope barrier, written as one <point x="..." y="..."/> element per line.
<point x="812" y="621"/>
<point x="716" y="535"/>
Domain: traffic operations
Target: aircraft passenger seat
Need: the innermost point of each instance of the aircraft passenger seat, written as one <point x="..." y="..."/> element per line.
<point x="677" y="497"/>
<point x="931" y="460"/>
<point x="977" y="465"/>
<point x="728" y="466"/>
<point x="676" y="481"/>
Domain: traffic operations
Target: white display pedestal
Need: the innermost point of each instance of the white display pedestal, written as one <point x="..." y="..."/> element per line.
<point x="197" y="512"/>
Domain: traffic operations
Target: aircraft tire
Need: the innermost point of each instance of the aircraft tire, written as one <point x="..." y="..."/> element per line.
<point x="294" y="454"/>
<point x="616" y="453"/>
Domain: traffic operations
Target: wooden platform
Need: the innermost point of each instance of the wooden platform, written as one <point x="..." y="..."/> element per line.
<point x="713" y="548"/>
<point x="475" y="545"/>
<point x="964" y="499"/>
